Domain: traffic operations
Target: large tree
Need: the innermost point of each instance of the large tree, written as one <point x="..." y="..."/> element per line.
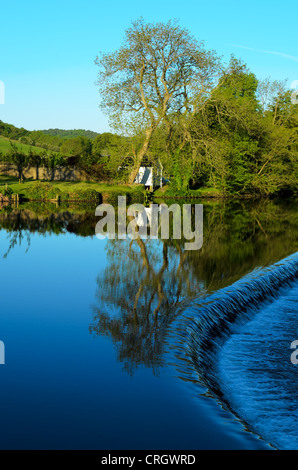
<point x="160" y="72"/>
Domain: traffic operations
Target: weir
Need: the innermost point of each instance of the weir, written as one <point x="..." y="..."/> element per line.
<point x="207" y="324"/>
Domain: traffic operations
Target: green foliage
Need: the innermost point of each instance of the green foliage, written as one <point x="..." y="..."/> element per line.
<point x="181" y="171"/>
<point x="240" y="166"/>
<point x="78" y="146"/>
<point x="46" y="191"/>
<point x="105" y="143"/>
<point x="6" y="191"/>
<point x="234" y="143"/>
<point x="211" y="125"/>
<point x="12" y="132"/>
<point x="70" y="134"/>
<point x="42" y="192"/>
<point x="77" y="143"/>
<point x="159" y="71"/>
<point x="82" y="195"/>
<point x="16" y="155"/>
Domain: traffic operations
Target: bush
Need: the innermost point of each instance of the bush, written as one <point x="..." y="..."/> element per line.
<point x="6" y="191"/>
<point x="46" y="191"/>
<point x="81" y="195"/>
<point x="42" y="192"/>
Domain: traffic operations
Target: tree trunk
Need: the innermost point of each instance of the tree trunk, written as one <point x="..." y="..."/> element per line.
<point x="141" y="154"/>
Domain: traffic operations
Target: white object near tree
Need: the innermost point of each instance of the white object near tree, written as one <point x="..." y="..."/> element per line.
<point x="150" y="175"/>
<point x="145" y="176"/>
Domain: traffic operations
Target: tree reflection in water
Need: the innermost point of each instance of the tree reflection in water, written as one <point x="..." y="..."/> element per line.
<point x="137" y="295"/>
<point x="46" y="219"/>
<point x="145" y="280"/>
<point x="18" y="228"/>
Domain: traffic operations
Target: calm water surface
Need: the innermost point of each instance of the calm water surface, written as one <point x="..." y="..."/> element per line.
<point x="91" y="329"/>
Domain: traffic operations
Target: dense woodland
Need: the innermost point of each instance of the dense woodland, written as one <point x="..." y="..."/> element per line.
<point x="70" y="134"/>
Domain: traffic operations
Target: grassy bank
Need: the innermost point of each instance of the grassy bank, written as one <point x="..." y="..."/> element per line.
<point x="167" y="193"/>
<point x="107" y="191"/>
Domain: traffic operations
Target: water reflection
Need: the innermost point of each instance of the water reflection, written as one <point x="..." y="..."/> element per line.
<point x="137" y="295"/>
<point x="144" y="281"/>
<point x="45" y="219"/>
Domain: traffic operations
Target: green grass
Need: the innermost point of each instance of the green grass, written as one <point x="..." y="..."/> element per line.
<point x="6" y="147"/>
<point x="206" y="192"/>
<point x="67" y="186"/>
<point x="102" y="188"/>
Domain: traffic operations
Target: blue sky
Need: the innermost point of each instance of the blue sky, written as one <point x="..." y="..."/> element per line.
<point x="47" y="49"/>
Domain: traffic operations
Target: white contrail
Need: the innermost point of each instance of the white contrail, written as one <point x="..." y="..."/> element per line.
<point x="281" y="54"/>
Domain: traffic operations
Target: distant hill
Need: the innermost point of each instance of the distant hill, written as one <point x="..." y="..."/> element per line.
<point x="69" y="134"/>
<point x="12" y="132"/>
<point x="49" y="139"/>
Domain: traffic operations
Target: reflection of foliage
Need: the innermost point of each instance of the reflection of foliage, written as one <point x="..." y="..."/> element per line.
<point x="241" y="236"/>
<point x="141" y="285"/>
<point x="16" y="238"/>
<point x="144" y="281"/>
<point x="45" y="219"/>
<point x="6" y="191"/>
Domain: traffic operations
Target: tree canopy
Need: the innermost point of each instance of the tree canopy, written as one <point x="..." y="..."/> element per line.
<point x="159" y="72"/>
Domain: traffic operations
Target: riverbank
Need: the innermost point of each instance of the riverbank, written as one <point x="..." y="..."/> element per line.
<point x="209" y="193"/>
<point x="35" y="190"/>
<point x="71" y="191"/>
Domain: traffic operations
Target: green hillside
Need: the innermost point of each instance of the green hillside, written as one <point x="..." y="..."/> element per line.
<point x="5" y="146"/>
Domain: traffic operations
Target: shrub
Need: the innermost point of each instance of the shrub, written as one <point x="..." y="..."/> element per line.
<point x="6" y="191"/>
<point x="42" y="192"/>
<point x="82" y="195"/>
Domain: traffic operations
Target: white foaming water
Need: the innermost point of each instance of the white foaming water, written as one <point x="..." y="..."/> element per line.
<point x="256" y="375"/>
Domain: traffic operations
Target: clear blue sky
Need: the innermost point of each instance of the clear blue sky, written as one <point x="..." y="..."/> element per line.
<point x="48" y="49"/>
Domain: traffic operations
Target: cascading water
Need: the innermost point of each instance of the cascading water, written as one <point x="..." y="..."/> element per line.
<point x="239" y="342"/>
